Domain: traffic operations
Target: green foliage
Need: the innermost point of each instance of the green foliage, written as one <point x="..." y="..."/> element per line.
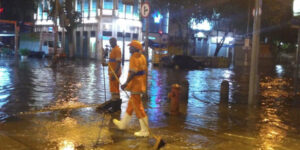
<point x="24" y="52"/>
<point x="284" y="47"/>
<point x="5" y="51"/>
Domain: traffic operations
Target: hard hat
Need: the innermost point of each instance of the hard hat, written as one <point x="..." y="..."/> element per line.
<point x="136" y="44"/>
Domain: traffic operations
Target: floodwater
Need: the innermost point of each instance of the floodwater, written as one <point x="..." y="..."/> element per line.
<point x="45" y="108"/>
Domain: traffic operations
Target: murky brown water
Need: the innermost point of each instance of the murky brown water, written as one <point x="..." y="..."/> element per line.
<point x="45" y="108"/>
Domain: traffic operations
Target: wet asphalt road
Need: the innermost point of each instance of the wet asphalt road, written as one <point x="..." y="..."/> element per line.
<point x="46" y="108"/>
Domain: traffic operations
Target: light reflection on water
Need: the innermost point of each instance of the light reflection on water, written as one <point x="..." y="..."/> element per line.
<point x="4" y="85"/>
<point x="66" y="145"/>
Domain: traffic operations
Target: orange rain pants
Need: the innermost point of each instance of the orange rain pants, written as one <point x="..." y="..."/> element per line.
<point x="138" y="108"/>
<point x="114" y="85"/>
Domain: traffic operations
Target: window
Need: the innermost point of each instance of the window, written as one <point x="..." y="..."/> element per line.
<point x="127" y="35"/>
<point x="107" y="33"/>
<point x="40" y="11"/>
<point x="78" y="5"/>
<point x="128" y="10"/>
<point x="119" y="34"/>
<point x="135" y="36"/>
<point x="108" y="4"/>
<point x="93" y="33"/>
<point x="86" y="8"/>
<point x="121" y="7"/>
<point x="136" y="10"/>
<point x="93" y="8"/>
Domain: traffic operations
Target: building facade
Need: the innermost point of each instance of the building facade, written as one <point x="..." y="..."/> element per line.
<point x="101" y="20"/>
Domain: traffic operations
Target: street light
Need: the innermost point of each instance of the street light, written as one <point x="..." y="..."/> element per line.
<point x="296" y="8"/>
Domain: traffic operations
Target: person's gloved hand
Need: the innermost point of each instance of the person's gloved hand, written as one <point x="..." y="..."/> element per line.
<point x="123" y="86"/>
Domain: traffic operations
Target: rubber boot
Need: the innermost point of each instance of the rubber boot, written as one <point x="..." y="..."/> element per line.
<point x="144" y="132"/>
<point x="122" y="124"/>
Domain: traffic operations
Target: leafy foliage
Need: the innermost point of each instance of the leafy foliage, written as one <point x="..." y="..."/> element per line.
<point x="232" y="15"/>
<point x="24" y="52"/>
<point x="69" y="18"/>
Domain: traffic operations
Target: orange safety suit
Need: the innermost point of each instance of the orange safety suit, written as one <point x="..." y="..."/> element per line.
<point x="145" y="75"/>
<point x="114" y="57"/>
<point x="137" y="85"/>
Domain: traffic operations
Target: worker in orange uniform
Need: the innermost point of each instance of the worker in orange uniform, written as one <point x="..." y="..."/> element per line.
<point x="136" y="85"/>
<point x="114" y="104"/>
<point x="115" y="64"/>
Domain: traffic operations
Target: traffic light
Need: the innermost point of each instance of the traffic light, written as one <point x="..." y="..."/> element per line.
<point x="160" y="32"/>
<point x="1" y="9"/>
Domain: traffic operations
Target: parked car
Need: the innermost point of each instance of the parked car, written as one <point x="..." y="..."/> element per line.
<point x="158" y="54"/>
<point x="51" y="48"/>
<point x="186" y="62"/>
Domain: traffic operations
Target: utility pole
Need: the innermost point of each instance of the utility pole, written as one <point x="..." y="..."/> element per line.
<point x="123" y="50"/>
<point x="247" y="39"/>
<point x="253" y="82"/>
<point x="147" y="38"/>
<point x="297" y="63"/>
<point x="99" y="51"/>
<point x="55" y="28"/>
<point x="17" y="30"/>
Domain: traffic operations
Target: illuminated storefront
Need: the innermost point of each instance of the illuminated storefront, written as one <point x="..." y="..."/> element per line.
<point x="115" y="22"/>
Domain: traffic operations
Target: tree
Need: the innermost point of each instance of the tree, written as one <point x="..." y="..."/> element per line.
<point x="229" y="16"/>
<point x="72" y="20"/>
<point x="69" y="19"/>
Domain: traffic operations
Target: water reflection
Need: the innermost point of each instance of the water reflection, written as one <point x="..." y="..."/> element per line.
<point x="205" y="121"/>
<point x="273" y="130"/>
<point x="66" y="145"/>
<point x="279" y="70"/>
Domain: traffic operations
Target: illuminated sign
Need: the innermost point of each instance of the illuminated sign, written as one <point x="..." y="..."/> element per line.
<point x="296" y="8"/>
<point x="200" y="35"/>
<point x="50" y="29"/>
<point x="228" y="40"/>
<point x="151" y="38"/>
<point x="204" y="25"/>
<point x="157" y="17"/>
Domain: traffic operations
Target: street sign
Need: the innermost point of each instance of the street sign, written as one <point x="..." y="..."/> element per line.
<point x="145" y="10"/>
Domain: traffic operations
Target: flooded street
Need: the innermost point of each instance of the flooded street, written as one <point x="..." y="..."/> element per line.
<point x="46" y="108"/>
